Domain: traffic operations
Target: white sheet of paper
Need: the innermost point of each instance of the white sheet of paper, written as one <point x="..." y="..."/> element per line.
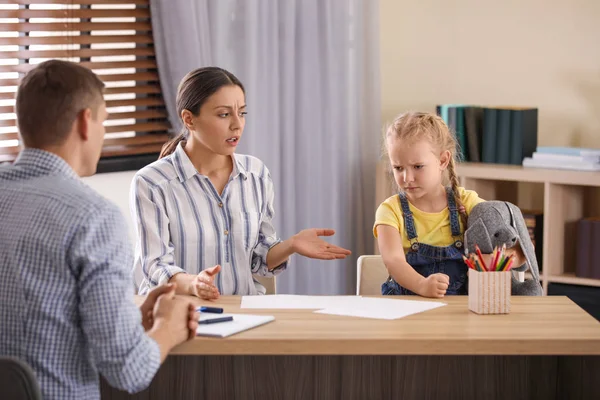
<point x="240" y="323"/>
<point x="378" y="308"/>
<point x="300" y="302"/>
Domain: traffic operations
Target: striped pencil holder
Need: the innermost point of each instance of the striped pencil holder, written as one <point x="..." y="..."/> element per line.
<point x="489" y="292"/>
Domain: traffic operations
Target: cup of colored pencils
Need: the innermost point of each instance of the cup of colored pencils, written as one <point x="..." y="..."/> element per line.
<point x="489" y="283"/>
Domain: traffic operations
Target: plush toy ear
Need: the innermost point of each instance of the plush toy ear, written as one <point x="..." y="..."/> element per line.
<point x="524" y="241"/>
<point x="477" y="234"/>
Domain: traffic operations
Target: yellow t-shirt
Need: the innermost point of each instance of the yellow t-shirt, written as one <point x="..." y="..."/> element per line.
<point x="432" y="228"/>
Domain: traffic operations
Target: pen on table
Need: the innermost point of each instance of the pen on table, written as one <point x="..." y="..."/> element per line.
<point x="215" y="320"/>
<point x="214" y="310"/>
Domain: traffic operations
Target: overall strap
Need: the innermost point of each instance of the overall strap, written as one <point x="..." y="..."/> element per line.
<point x="453" y="210"/>
<point x="409" y="222"/>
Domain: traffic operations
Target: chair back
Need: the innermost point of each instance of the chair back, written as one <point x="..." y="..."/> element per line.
<point x="269" y="283"/>
<point x="370" y="274"/>
<point x="17" y="380"/>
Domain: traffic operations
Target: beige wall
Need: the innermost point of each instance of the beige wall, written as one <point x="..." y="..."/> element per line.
<point x="115" y="187"/>
<point x="543" y="53"/>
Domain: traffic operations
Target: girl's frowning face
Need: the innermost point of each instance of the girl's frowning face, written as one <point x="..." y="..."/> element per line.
<point x="418" y="168"/>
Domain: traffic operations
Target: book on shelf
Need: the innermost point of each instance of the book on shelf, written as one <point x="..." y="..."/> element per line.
<point x="488" y="135"/>
<point x="524" y="134"/>
<point x="570" y="151"/>
<point x="588" y="248"/>
<point x="564" y="158"/>
<point x="534" y="220"/>
<point x="454" y="117"/>
<point x="473" y="132"/>
<point x="501" y="135"/>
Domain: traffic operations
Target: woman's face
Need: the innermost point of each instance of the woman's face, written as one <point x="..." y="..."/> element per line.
<point x="220" y="123"/>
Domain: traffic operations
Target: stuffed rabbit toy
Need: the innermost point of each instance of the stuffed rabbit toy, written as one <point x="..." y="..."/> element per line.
<point x="495" y="223"/>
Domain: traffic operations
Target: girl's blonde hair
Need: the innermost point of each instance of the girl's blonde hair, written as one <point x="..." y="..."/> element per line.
<point x="413" y="126"/>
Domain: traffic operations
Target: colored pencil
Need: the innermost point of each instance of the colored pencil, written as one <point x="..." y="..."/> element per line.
<point x="499" y="260"/>
<point x="468" y="262"/>
<point x="480" y="257"/>
<point x="479" y="267"/>
<point x="495" y="256"/>
<point x="508" y="265"/>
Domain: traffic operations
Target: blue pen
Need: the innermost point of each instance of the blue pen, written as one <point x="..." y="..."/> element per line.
<point x="215" y="320"/>
<point x="214" y="310"/>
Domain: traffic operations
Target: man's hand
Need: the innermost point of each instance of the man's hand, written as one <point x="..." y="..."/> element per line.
<point x="177" y="315"/>
<point x="147" y="306"/>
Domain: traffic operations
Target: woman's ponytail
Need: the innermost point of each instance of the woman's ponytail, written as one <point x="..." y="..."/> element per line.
<point x="169" y="147"/>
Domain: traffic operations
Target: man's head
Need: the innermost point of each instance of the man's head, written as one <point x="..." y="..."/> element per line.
<point x="60" y="108"/>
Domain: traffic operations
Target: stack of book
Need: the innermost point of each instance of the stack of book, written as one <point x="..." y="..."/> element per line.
<point x="534" y="220"/>
<point x="574" y="158"/>
<point x="501" y="135"/>
<point x="588" y="248"/>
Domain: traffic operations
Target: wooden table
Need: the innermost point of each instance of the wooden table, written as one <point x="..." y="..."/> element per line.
<point x="546" y="348"/>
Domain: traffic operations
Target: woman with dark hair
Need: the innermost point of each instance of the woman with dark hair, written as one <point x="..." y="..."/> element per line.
<point x="203" y="213"/>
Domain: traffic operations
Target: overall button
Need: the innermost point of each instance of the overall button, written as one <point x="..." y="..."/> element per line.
<point x="226" y="232"/>
<point x="221" y="205"/>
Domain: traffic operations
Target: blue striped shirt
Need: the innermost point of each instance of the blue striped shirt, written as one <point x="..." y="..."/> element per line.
<point x="66" y="293"/>
<point x="184" y="225"/>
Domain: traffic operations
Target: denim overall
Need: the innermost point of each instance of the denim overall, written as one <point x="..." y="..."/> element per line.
<point x="426" y="259"/>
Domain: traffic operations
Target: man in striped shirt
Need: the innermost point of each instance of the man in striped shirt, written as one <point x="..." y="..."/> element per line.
<point x="66" y="293"/>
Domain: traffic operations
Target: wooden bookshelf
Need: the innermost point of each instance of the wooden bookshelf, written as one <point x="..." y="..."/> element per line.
<point x="571" y="279"/>
<point x="564" y="196"/>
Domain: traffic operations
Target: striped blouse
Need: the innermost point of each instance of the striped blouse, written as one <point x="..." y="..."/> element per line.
<point x="183" y="224"/>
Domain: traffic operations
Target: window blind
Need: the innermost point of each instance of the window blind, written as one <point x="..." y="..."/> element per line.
<point x="111" y="37"/>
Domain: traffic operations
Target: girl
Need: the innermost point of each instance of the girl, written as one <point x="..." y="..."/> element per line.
<point x="419" y="231"/>
<point x="201" y="205"/>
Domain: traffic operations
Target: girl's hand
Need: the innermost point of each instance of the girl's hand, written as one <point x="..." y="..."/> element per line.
<point x="203" y="285"/>
<point x="435" y="285"/>
<point x="308" y="243"/>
